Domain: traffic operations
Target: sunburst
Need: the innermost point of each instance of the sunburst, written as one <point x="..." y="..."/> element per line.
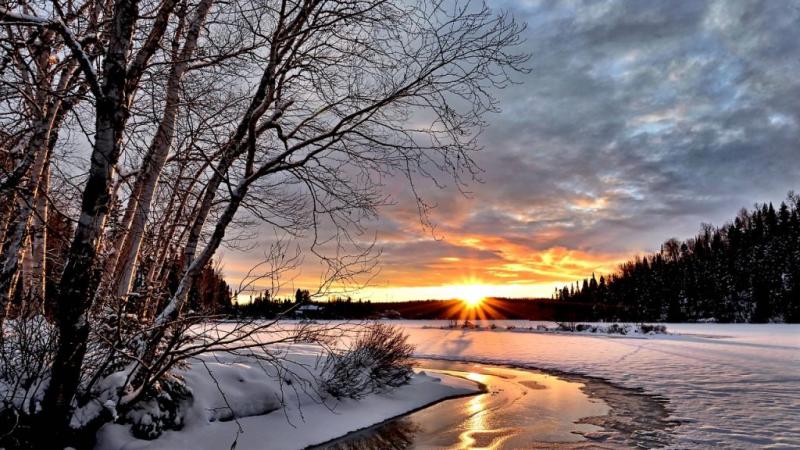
<point x="472" y="295"/>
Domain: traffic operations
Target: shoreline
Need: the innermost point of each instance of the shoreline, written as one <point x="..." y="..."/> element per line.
<point x="628" y="409"/>
<point x="483" y="390"/>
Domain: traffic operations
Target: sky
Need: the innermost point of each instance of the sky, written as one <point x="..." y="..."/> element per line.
<point x="639" y="121"/>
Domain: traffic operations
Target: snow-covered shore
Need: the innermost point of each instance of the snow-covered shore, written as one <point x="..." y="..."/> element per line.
<point x="275" y="415"/>
<point x="730" y="386"/>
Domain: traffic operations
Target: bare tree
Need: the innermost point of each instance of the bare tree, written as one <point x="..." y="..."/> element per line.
<point x="141" y="198"/>
<point x="41" y="90"/>
<point x="289" y="113"/>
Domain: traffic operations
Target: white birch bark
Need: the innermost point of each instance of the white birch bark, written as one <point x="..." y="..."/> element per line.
<point x="35" y="261"/>
<point x="159" y="149"/>
<point x="39" y="244"/>
<point x="17" y="236"/>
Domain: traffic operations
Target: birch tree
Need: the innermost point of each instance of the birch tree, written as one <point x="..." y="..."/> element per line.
<point x="141" y="198"/>
<point x="41" y="89"/>
<point x="291" y="112"/>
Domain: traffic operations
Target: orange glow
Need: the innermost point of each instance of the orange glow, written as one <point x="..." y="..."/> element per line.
<point x="468" y="266"/>
<point x="472" y="302"/>
<point x="471" y="294"/>
<point x="591" y="203"/>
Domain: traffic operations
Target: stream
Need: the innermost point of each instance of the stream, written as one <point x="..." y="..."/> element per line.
<point x="522" y="408"/>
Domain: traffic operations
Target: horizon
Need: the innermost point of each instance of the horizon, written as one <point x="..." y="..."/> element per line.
<point x="638" y="123"/>
<point x="364" y="224"/>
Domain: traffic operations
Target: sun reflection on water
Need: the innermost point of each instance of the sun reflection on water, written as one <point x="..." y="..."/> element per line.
<point x="477" y="426"/>
<point x="522" y="409"/>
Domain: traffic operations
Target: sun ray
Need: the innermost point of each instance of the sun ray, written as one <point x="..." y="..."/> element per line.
<point x="470" y="294"/>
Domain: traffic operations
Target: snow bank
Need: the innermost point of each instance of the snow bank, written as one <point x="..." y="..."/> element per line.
<point x="276" y="407"/>
<point x="730" y="386"/>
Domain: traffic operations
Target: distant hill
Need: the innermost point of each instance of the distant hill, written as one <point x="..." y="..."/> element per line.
<point x="490" y="308"/>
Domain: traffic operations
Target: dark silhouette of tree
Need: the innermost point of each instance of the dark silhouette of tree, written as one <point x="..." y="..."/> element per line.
<point x="744" y="271"/>
<point x="302" y="296"/>
<point x="210" y="293"/>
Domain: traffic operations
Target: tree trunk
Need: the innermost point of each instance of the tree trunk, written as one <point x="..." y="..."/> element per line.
<point x="36" y="289"/>
<point x="175" y="304"/>
<point x="120" y="238"/>
<point x="30" y="202"/>
<point x="158" y="151"/>
<point x="166" y="252"/>
<point x="14" y="247"/>
<point x="78" y="281"/>
<point x="34" y="264"/>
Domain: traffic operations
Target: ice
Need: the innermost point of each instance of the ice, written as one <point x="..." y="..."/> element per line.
<point x="730" y="385"/>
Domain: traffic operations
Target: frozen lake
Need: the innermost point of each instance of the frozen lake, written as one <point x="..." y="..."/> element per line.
<point x="521" y="409"/>
<point x="703" y="386"/>
<point x="728" y="385"/>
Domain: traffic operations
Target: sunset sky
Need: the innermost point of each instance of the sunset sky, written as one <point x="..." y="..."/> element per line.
<point x="638" y="122"/>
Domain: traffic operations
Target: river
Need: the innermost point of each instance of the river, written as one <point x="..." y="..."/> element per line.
<point x="522" y="408"/>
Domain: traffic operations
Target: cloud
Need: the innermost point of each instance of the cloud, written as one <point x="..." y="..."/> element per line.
<point x="639" y="121"/>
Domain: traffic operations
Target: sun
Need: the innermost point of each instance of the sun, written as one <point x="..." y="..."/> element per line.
<point x="472" y="301"/>
<point x="471" y="294"/>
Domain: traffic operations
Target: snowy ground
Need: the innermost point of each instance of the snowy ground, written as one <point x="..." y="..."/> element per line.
<point x="730" y="386"/>
<point x="275" y="415"/>
<point x="734" y="386"/>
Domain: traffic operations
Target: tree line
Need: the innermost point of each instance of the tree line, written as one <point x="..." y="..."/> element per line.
<point x="267" y="306"/>
<point x="747" y="270"/>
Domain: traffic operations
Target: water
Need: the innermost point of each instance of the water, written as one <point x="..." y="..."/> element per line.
<point x="522" y="408"/>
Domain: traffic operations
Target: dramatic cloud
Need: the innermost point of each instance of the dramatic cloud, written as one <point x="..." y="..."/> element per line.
<point x="639" y="121"/>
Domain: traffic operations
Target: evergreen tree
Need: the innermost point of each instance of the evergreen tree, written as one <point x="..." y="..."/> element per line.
<point x="745" y="271"/>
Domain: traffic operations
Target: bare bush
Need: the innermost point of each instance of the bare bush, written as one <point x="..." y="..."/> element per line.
<point x="379" y="358"/>
<point x="26" y="352"/>
<point x="647" y="328"/>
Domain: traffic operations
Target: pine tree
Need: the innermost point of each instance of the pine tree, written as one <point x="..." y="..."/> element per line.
<point x="746" y="270"/>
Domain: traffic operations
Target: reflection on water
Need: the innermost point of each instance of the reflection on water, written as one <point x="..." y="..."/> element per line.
<point x="521" y="409"/>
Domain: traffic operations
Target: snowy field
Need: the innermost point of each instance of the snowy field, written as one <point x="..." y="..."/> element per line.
<point x="729" y="386"/>
<point x="734" y="386"/>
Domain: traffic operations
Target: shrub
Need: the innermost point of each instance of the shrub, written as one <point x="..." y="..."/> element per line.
<point x="160" y="410"/>
<point x="566" y="326"/>
<point x="616" y="328"/>
<point x="654" y="329"/>
<point x="379" y="358"/>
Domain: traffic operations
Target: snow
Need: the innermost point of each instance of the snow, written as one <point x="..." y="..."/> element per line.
<point x="730" y="386"/>
<point x="274" y="414"/>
